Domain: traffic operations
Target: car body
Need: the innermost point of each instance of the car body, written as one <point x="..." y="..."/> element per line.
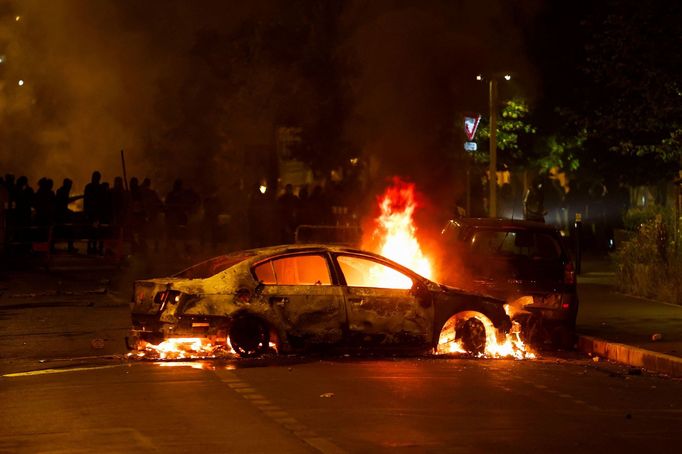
<point x="301" y="296"/>
<point x="523" y="262"/>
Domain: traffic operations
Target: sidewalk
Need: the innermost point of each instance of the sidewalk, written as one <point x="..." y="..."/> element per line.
<point x="635" y="331"/>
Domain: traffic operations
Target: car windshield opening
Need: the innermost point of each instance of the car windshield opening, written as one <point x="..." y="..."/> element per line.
<point x="536" y="245"/>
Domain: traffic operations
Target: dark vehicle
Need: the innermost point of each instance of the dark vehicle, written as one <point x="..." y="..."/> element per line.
<point x="525" y="263"/>
<point x="299" y="296"/>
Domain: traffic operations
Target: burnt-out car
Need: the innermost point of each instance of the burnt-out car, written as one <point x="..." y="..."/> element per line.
<point x="301" y="296"/>
<point x="526" y="263"/>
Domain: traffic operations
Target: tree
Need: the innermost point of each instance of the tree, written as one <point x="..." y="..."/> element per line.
<point x="627" y="103"/>
<point x="514" y="136"/>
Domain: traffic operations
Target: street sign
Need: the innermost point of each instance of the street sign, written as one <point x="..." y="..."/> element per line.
<point x="470" y="146"/>
<point x="471" y="125"/>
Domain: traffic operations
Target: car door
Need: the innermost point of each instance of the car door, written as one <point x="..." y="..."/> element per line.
<point x="382" y="304"/>
<point x="301" y="290"/>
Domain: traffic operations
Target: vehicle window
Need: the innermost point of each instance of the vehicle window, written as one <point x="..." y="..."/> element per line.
<point x="515" y="243"/>
<point x="213" y="266"/>
<point x="294" y="270"/>
<point x="547" y="246"/>
<point x="265" y="273"/>
<point x="362" y="272"/>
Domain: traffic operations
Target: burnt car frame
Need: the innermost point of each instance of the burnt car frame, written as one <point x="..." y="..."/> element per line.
<point x="526" y="263"/>
<point x="304" y="296"/>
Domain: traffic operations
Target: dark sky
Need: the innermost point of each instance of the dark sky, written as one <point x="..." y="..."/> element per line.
<point x="110" y="74"/>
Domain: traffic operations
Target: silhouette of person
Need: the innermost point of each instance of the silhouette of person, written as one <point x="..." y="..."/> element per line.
<point x="91" y="208"/>
<point x="152" y="207"/>
<point x="287" y="209"/>
<point x="533" y="202"/>
<point x="44" y="203"/>
<point x="63" y="215"/>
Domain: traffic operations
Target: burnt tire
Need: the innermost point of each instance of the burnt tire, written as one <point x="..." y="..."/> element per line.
<point x="473" y="336"/>
<point x="249" y="337"/>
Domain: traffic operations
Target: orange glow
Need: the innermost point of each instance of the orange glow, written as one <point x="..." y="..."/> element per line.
<point x="510" y="347"/>
<point x="395" y="237"/>
<point x="182" y="348"/>
<point x="396" y="233"/>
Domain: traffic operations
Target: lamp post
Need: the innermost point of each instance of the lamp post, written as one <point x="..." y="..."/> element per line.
<point x="492" y="170"/>
<point x="492" y="201"/>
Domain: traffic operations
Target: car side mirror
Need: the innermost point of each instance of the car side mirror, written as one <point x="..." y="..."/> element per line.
<point x="259" y="288"/>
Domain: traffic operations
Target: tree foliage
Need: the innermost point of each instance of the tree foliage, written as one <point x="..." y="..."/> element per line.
<point x="628" y="103"/>
<point x="514" y="134"/>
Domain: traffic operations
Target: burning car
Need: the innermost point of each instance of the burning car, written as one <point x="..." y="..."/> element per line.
<point x="292" y="298"/>
<point x="525" y="263"/>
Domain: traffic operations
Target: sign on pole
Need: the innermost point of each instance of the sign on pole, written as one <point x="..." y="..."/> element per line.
<point x="471" y="125"/>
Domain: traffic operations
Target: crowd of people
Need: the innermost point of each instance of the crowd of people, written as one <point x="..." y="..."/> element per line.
<point x="130" y="211"/>
<point x="133" y="212"/>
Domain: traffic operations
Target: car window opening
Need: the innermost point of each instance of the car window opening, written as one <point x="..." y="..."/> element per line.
<point x="360" y="272"/>
<point x="294" y="270"/>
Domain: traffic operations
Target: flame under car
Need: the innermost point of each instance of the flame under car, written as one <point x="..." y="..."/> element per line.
<point x="298" y="297"/>
<point x="525" y="263"/>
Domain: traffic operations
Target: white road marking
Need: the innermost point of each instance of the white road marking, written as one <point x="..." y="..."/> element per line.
<point x="58" y="371"/>
<point x="281" y="417"/>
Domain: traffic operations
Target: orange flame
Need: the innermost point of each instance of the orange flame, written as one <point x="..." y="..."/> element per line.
<point x="397" y="235"/>
<point x="396" y="230"/>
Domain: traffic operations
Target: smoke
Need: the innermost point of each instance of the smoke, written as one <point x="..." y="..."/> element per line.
<point x="415" y="66"/>
<point x="94" y="77"/>
<point x="101" y="76"/>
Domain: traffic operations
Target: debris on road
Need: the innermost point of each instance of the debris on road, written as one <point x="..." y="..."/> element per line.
<point x="327" y="395"/>
<point x="97" y="343"/>
<point x="656" y="337"/>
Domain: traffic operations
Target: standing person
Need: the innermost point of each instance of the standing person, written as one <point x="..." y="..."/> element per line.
<point x="152" y="207"/>
<point x="287" y="209"/>
<point x="44" y="203"/>
<point x="119" y="204"/>
<point x="534" y="202"/>
<point x="176" y="216"/>
<point x="23" y="200"/>
<point x="91" y="209"/>
<point x="63" y="215"/>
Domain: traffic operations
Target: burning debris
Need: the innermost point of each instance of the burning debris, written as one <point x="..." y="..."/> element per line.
<point x="182" y="348"/>
<point x="185" y="348"/>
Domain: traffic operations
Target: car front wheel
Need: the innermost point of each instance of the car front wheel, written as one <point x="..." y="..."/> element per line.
<point x="473" y="336"/>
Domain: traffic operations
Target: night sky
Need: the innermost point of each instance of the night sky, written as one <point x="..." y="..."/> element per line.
<point x="198" y="88"/>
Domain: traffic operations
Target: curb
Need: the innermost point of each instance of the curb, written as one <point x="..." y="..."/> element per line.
<point x="632" y="356"/>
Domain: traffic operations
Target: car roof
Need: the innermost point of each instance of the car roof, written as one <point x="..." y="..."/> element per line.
<point x="284" y="248"/>
<point x="270" y="251"/>
<point x="500" y="223"/>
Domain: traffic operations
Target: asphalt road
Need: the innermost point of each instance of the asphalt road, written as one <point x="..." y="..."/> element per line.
<point x="341" y="404"/>
<point x="66" y="386"/>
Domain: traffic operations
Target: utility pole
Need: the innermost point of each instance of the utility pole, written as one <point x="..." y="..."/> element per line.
<point x="492" y="202"/>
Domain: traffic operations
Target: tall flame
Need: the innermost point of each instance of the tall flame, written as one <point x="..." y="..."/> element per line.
<point x="396" y="230"/>
<point x="397" y="240"/>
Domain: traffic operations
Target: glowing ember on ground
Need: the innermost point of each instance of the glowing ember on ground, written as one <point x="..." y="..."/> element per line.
<point x="396" y="230"/>
<point x="182" y="348"/>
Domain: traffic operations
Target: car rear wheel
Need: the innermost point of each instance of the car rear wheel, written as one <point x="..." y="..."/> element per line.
<point x="473" y="336"/>
<point x="249" y="337"/>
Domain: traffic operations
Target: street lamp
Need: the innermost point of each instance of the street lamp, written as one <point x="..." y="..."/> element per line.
<point x="492" y="105"/>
